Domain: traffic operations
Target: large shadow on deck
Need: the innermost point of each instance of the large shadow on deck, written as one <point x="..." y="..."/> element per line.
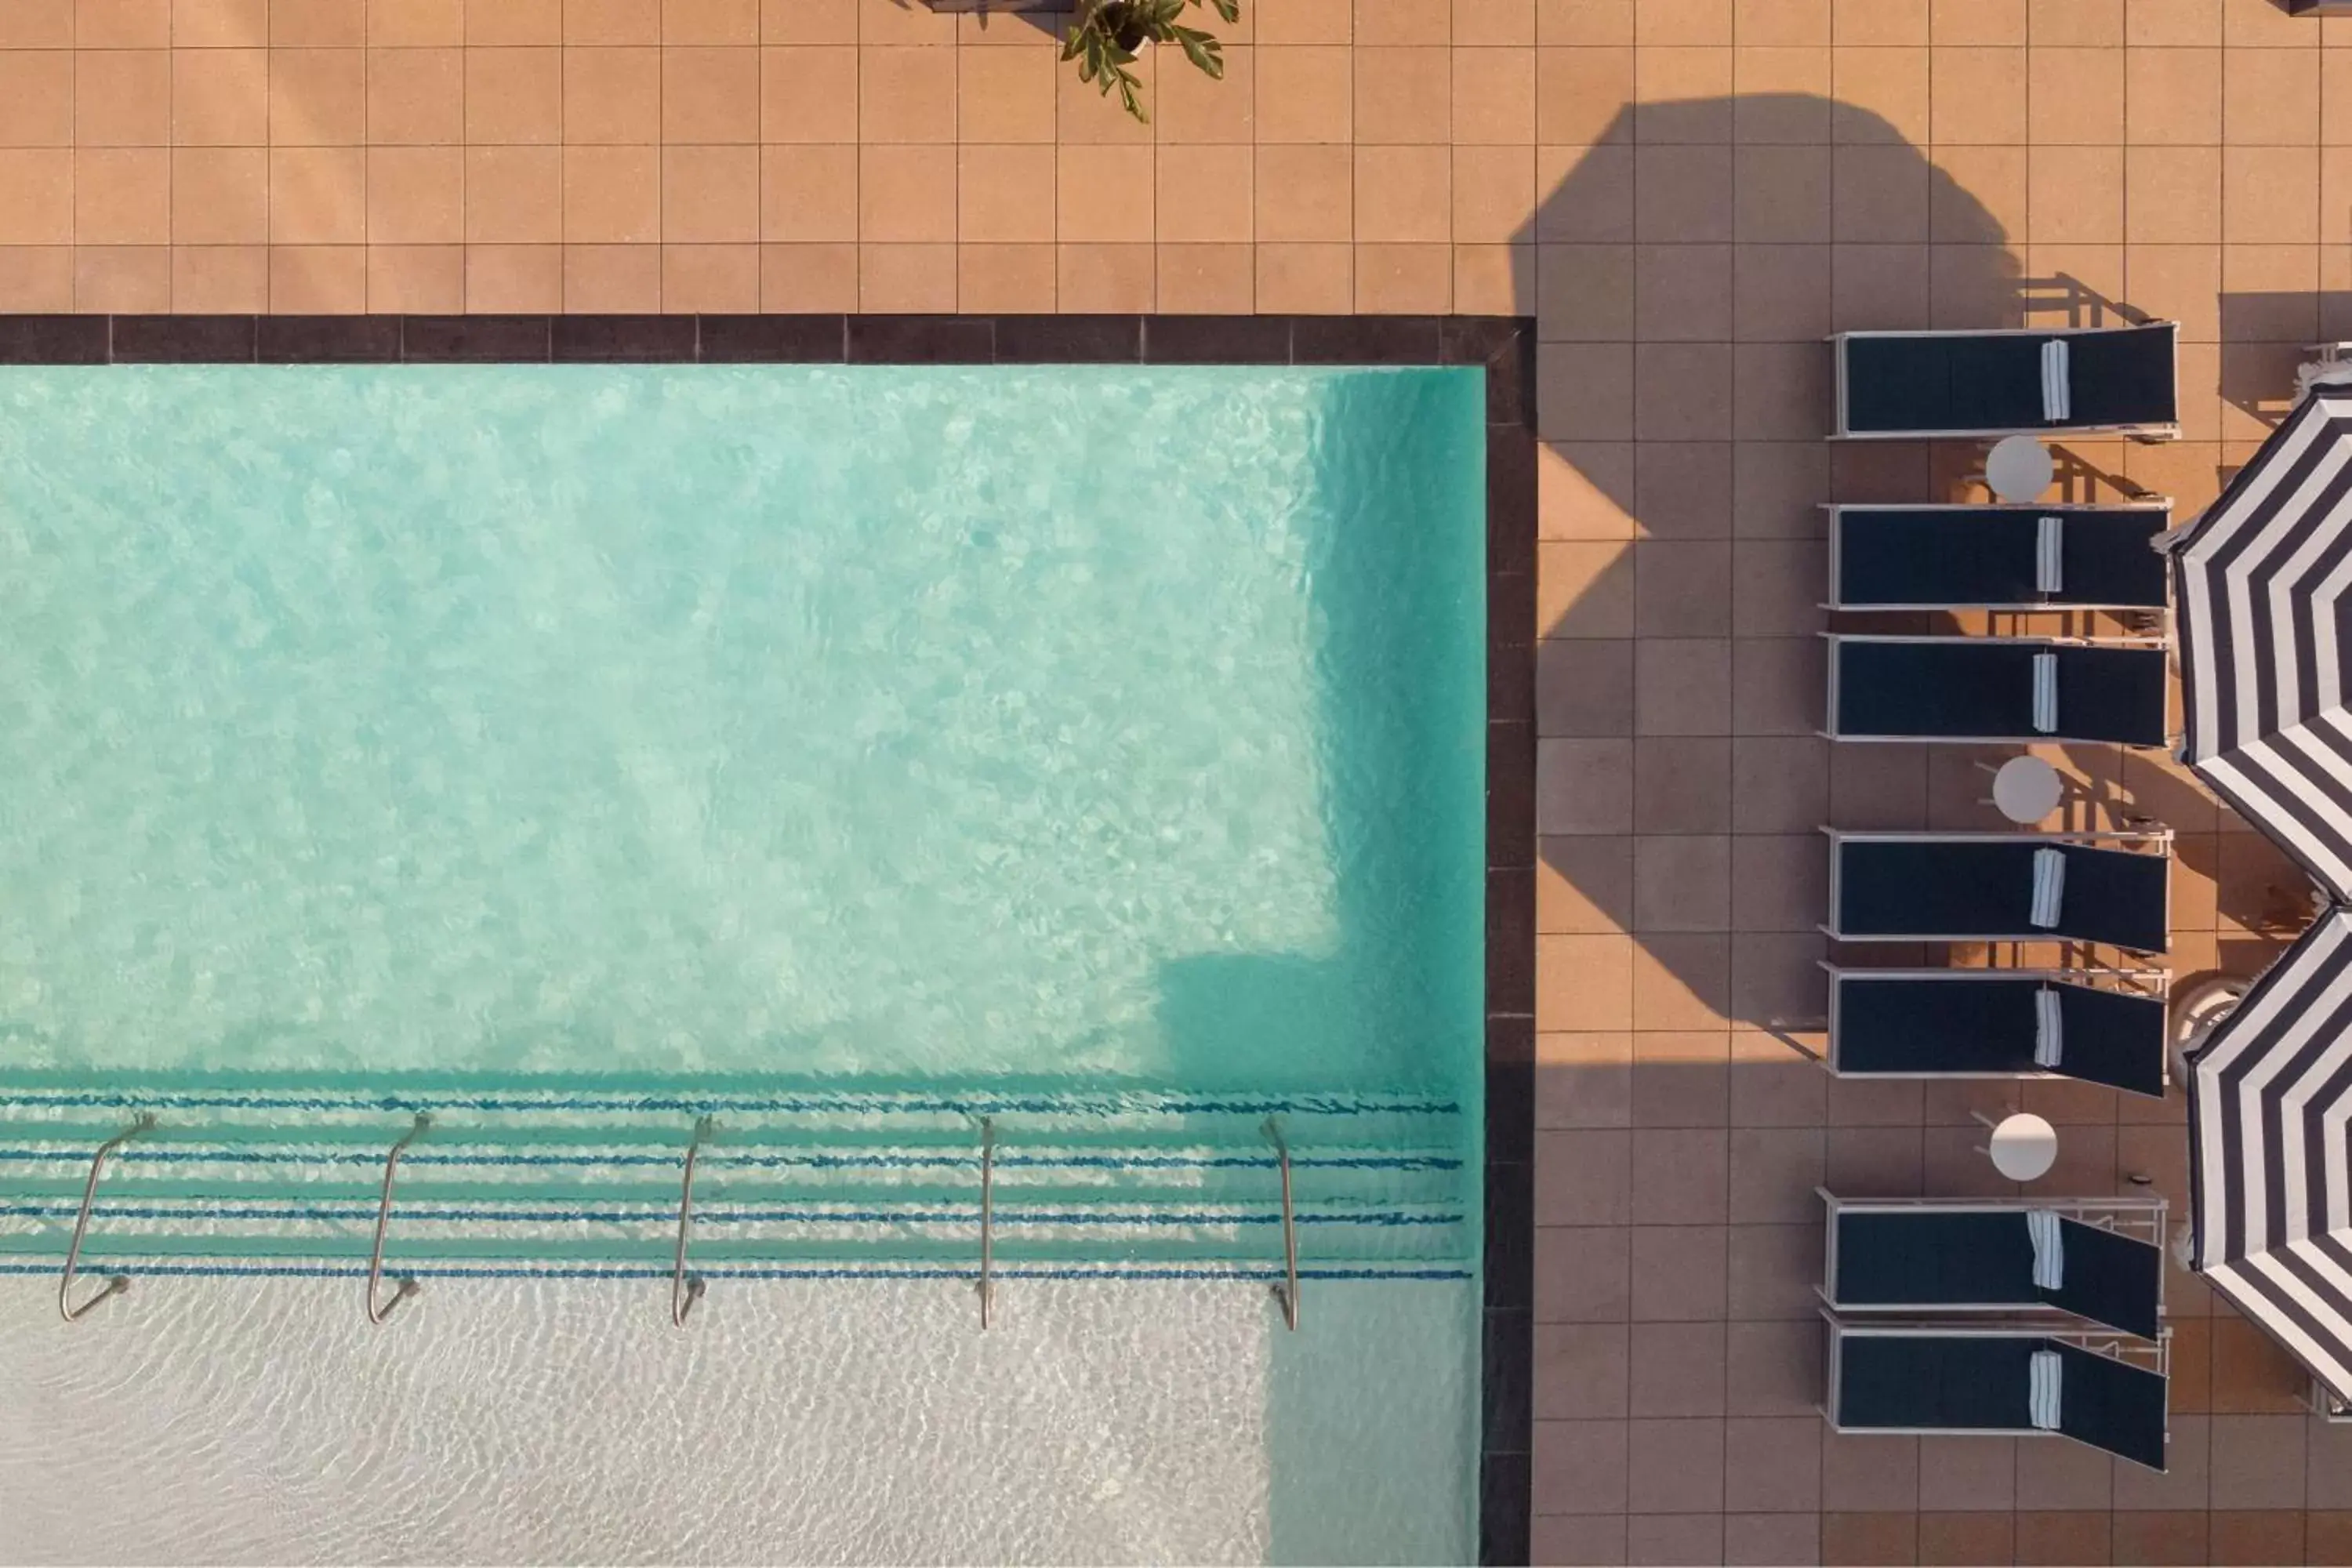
<point x="1691" y="263"/>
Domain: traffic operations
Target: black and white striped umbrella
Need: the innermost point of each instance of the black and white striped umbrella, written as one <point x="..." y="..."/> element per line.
<point x="2263" y="582"/>
<point x="2270" y="1094"/>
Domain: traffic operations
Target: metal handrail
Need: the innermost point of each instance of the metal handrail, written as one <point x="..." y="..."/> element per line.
<point x="405" y="1287"/>
<point x="685" y="1290"/>
<point x="1288" y="1292"/>
<point x="116" y="1284"/>
<point x="987" y="1215"/>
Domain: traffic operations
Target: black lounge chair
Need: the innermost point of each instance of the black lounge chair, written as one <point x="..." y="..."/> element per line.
<point x="1996" y="557"/>
<point x="2008" y="382"/>
<point x="2002" y="887"/>
<point x="2099" y="1258"/>
<point x="2106" y="1390"/>
<point x="1990" y="690"/>
<point x="2000" y="1023"/>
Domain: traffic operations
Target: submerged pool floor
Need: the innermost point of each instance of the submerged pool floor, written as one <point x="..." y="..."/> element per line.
<point x="897" y="724"/>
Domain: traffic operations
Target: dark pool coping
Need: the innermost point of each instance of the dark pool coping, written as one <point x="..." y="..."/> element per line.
<point x="1503" y="345"/>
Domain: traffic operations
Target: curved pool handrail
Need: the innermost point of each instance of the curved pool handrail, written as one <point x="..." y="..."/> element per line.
<point x="116" y="1284"/>
<point x="377" y="1311"/>
<point x="685" y="1290"/>
<point x="987" y="1215"/>
<point x="1288" y="1292"/>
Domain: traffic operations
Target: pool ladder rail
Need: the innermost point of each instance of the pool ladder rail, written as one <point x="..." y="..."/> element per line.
<point x="117" y="1284"/>
<point x="987" y="1217"/>
<point x="686" y="1289"/>
<point x="1288" y="1292"/>
<point x="377" y="1311"/>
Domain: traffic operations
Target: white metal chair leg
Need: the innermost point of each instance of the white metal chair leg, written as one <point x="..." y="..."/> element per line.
<point x="118" y="1283"/>
<point x="1288" y="1292"/>
<point x="685" y="1290"/>
<point x="402" y="1289"/>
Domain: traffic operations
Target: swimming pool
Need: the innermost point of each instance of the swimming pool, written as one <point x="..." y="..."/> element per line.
<point x="846" y="755"/>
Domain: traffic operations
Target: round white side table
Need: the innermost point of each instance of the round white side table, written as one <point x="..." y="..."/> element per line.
<point x="2022" y="1146"/>
<point x="2018" y="469"/>
<point x="2026" y="789"/>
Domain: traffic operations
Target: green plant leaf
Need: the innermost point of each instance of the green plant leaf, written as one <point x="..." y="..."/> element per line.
<point x="1202" y="51"/>
<point x="1101" y="36"/>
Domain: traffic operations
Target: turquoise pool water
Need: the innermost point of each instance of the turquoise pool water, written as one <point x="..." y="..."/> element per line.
<point x="850" y="754"/>
<point x="889" y="722"/>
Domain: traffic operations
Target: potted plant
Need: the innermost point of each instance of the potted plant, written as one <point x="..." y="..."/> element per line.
<point x="1106" y="35"/>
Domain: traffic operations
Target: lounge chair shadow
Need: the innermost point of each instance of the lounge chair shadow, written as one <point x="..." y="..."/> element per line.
<point x="2266" y="334"/>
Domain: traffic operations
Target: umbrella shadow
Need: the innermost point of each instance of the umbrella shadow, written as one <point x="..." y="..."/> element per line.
<point x="1692" y="260"/>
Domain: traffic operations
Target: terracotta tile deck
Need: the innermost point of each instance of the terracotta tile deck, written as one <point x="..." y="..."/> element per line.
<point x="1686" y="194"/>
<point x="1738" y="181"/>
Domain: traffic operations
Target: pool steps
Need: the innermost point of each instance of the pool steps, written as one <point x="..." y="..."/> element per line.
<point x="829" y="1183"/>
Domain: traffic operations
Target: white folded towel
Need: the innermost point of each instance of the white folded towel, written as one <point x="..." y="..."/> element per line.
<point x="2045" y="693"/>
<point x="2057" y="402"/>
<point x="2049" y="1025"/>
<point x="2041" y="1393"/>
<point x="2049" y="574"/>
<point x="2049" y="1248"/>
<point x="2049" y="888"/>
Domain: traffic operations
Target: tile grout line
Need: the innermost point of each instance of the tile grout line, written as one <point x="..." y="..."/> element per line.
<point x="1731" y="879"/>
<point x="268" y="184"/>
<point x="366" y="248"/>
<point x="73" y="166"/>
<point x="465" y="170"/>
<point x="661" y="147"/>
<point x="759" y="163"/>
<point x="1633" y="586"/>
<point x="367" y="142"/>
<point x="171" y="163"/>
<point x="563" y="163"/>
<point x="857" y="174"/>
<point x="955" y="169"/>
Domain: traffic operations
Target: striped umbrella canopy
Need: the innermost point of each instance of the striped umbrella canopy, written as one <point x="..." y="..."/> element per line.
<point x="2270" y="1097"/>
<point x="2262" y="583"/>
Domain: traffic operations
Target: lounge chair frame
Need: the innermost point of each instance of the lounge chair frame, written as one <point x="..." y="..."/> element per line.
<point x="1834" y="599"/>
<point x="2153" y="982"/>
<point x="2142" y="1219"/>
<point x="2149" y="1355"/>
<point x="1829" y="730"/>
<point x="1842" y="430"/>
<point x="2157" y="840"/>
